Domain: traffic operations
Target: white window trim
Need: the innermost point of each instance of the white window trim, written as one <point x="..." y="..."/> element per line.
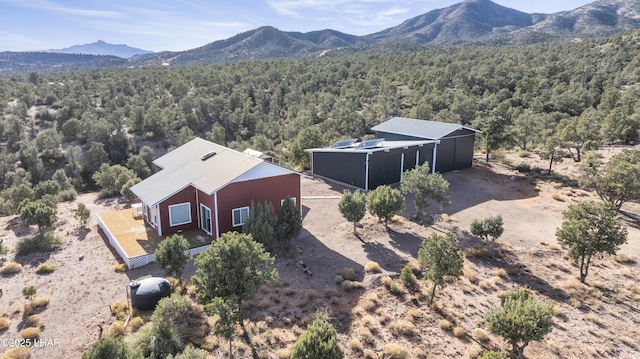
<point x="293" y="198"/>
<point x="179" y="205"/>
<point x="233" y="219"/>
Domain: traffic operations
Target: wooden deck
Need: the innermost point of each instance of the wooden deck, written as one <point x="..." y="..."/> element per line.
<point x="137" y="238"/>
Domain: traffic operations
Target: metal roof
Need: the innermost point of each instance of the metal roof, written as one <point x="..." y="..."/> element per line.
<point x="382" y="146"/>
<point x="419" y="128"/>
<point x="187" y="165"/>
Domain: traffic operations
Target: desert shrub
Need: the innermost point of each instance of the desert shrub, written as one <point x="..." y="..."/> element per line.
<point x="459" y="332"/>
<point x="395" y="287"/>
<point x="319" y="341"/>
<point x="107" y="347"/>
<point x="480" y="335"/>
<point x="120" y="268"/>
<point x="471" y="274"/>
<point x="135" y="323"/>
<point x="30" y="333"/>
<point x="17" y="353"/>
<point x="67" y="195"/>
<point x="4" y="323"/>
<point x="403" y="327"/>
<point x="3" y="248"/>
<point x="407" y="277"/>
<point x="41" y="242"/>
<point x="369" y="354"/>
<point x="395" y="351"/>
<point x="116" y="329"/>
<point x="348" y="273"/>
<point x="11" y="268"/>
<point x="386" y="281"/>
<point x="338" y="279"/>
<point x="445" y="324"/>
<point x="120" y="309"/>
<point x="29" y="291"/>
<point x="33" y="320"/>
<point x="524" y="154"/>
<point x="355" y="345"/>
<point x="46" y="268"/>
<point x="523" y="167"/>
<point x="346" y="284"/>
<point x="494" y="354"/>
<point x="40" y="301"/>
<point x="372" y="267"/>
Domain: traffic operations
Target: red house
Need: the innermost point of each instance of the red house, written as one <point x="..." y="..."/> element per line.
<point x="211" y="187"/>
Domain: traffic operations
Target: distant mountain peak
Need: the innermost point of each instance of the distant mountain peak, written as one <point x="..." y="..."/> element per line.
<point x="101" y="47"/>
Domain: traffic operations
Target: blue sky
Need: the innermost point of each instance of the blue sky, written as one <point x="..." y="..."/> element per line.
<point x="174" y="25"/>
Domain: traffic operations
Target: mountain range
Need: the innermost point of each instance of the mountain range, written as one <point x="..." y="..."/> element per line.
<point x="102" y="48"/>
<point x="467" y="22"/>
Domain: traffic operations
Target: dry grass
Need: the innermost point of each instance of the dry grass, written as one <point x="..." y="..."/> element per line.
<point x="369" y="354"/>
<point x="10" y="268"/>
<point x="40" y="301"/>
<point x="445" y="325"/>
<point x="355" y="345"/>
<point x="459" y="332"/>
<point x="471" y="274"/>
<point x="481" y="336"/>
<point x="348" y="273"/>
<point x="499" y="272"/>
<point x="135" y="323"/>
<point x="116" y="329"/>
<point x="395" y="351"/>
<point x="4" y="323"/>
<point x="623" y="258"/>
<point x="554" y="247"/>
<point x="46" y="268"/>
<point x="17" y="353"/>
<point x="120" y="268"/>
<point x="33" y="320"/>
<point x="120" y="309"/>
<point x="403" y="327"/>
<point x="372" y="267"/>
<point x="30" y="333"/>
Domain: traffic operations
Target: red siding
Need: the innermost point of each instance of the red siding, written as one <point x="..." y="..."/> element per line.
<point x="186" y="195"/>
<point x="240" y="194"/>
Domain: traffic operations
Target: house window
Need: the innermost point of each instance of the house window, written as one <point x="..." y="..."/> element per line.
<point x="179" y="214"/>
<point x="205" y="218"/>
<point x="240" y="216"/>
<point x="292" y="198"/>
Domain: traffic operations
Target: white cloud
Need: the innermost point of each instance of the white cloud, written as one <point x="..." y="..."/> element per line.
<point x="53" y="6"/>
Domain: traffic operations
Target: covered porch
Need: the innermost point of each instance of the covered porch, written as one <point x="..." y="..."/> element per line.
<point x="135" y="241"/>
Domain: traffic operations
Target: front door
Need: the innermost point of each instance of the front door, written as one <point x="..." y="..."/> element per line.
<point x="205" y="218"/>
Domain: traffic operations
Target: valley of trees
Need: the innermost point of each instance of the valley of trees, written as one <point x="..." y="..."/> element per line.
<point x="99" y="130"/>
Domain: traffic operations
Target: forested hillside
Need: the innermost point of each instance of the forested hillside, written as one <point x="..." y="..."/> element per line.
<point x="538" y="97"/>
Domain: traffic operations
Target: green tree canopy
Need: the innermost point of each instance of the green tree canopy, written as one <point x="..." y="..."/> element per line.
<point x="425" y="186"/>
<point x="112" y="179"/>
<point x="261" y="224"/>
<point x="618" y="182"/>
<point x="110" y="348"/>
<point x="319" y="341"/>
<point x="37" y="213"/>
<point x="520" y="319"/>
<point x="289" y="221"/>
<point x="171" y="255"/>
<point x="488" y="228"/>
<point x="589" y="229"/>
<point x="353" y="206"/>
<point x="82" y="214"/>
<point x="384" y="202"/>
<point x="440" y="256"/>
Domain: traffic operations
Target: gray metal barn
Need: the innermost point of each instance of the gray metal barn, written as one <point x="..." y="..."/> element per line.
<point x="400" y="145"/>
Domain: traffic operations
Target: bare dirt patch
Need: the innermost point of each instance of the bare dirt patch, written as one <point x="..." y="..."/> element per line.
<point x="600" y="320"/>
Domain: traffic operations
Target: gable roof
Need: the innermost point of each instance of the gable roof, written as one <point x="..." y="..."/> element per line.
<point x="189" y="165"/>
<point x="431" y="130"/>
